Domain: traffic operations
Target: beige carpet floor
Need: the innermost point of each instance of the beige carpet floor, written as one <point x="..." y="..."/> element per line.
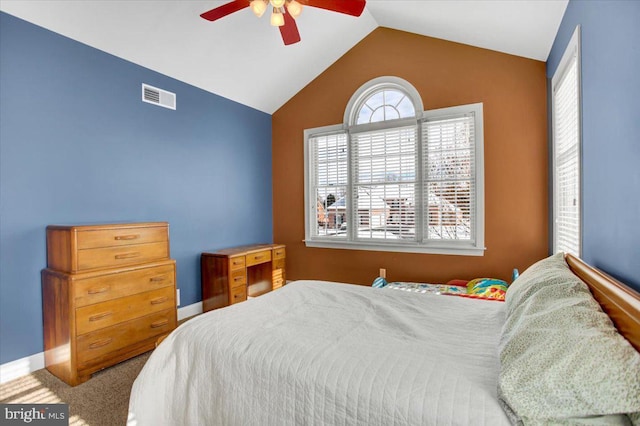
<point x="102" y="400"/>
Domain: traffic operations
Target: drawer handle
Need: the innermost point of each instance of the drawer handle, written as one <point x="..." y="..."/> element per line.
<point x="236" y="279"/>
<point x="159" y="300"/>
<point x="238" y="295"/>
<point x="97" y="290"/>
<point x="159" y="323"/>
<point x="100" y="343"/>
<point x="237" y="262"/>
<point x="98" y="317"/>
<point x="278" y="253"/>
<point x="157" y="279"/>
<point x="127" y="255"/>
<point x="257" y="257"/>
<point x="127" y="237"/>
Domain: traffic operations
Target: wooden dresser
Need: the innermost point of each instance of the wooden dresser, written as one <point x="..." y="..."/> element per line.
<point x="109" y="293"/>
<point x="230" y="275"/>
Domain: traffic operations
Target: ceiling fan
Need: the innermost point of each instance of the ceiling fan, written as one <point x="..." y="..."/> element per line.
<point x="285" y="12"/>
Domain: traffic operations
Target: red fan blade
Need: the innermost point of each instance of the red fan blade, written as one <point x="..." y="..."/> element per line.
<point x="349" y="7"/>
<point x="225" y="9"/>
<point x="289" y="30"/>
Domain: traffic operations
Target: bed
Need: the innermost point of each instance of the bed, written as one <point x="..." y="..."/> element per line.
<point x="322" y="353"/>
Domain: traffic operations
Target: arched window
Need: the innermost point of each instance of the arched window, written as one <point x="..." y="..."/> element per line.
<point x="383" y="99"/>
<point x="394" y="177"/>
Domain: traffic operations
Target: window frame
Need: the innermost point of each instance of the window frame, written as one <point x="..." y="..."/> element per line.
<point x="450" y="247"/>
<point x="572" y="52"/>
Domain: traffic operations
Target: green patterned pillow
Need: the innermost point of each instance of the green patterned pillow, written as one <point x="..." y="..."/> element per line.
<point x="560" y="355"/>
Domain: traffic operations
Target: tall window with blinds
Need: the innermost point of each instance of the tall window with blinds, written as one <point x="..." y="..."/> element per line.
<point x="565" y="86"/>
<point x="396" y="178"/>
<point x="329" y="180"/>
<point x="449" y="187"/>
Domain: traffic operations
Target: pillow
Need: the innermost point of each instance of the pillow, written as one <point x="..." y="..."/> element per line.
<point x="487" y="288"/>
<point x="379" y="282"/>
<point x="560" y="355"/>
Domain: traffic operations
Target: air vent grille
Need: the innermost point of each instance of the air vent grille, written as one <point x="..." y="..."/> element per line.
<point x="159" y="97"/>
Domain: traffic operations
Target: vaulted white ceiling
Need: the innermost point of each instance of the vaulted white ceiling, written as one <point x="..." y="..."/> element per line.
<point x="243" y="58"/>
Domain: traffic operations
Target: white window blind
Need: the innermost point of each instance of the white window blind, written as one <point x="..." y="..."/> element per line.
<point x="566" y="152"/>
<point x="384" y="164"/>
<point x="329" y="158"/>
<point x="449" y="184"/>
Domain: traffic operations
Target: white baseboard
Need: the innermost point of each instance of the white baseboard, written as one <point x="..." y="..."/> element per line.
<point x="23" y="366"/>
<point x="189" y="311"/>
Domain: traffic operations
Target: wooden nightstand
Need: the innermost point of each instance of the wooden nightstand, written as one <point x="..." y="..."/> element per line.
<point x="231" y="275"/>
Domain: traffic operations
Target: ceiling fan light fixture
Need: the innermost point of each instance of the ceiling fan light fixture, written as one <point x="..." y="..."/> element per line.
<point x="294" y="8"/>
<point x="258" y="7"/>
<point x="277" y="19"/>
<point x="277" y="3"/>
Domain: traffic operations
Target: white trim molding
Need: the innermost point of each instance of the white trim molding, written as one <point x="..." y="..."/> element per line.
<point x="21" y="367"/>
<point x="189" y="311"/>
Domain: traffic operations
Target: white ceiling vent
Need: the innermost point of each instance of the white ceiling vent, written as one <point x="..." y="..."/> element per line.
<point x="159" y="97"/>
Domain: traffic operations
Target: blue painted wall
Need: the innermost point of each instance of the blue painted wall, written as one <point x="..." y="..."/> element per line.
<point x="77" y="145"/>
<point x="610" y="130"/>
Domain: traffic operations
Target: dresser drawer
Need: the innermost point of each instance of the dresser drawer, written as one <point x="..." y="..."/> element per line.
<point x="237" y="263"/>
<point x="238" y="278"/>
<point x="94" y="317"/>
<point x="102" y="342"/>
<point x="258" y="257"/>
<point x="238" y="294"/>
<point x="109" y="257"/>
<point x="112" y="286"/>
<point x="120" y="236"/>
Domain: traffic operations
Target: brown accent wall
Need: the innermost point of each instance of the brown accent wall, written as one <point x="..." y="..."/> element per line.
<point x="513" y="91"/>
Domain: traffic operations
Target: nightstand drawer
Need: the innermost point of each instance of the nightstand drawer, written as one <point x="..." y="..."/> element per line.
<point x="238" y="278"/>
<point x="238" y="294"/>
<point x="258" y="257"/>
<point x="120" y="237"/>
<point x="95" y="346"/>
<point x="109" y="257"/>
<point x="120" y="284"/>
<point x="95" y="317"/>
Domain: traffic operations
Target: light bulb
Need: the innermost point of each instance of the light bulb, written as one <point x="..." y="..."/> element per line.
<point x="277" y="3"/>
<point x="258" y="7"/>
<point x="294" y="8"/>
<point x="277" y="19"/>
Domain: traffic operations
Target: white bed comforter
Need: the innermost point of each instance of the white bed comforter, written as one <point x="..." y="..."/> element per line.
<point x="320" y="353"/>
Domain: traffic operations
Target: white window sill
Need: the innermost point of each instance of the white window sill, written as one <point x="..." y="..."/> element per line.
<point x="345" y="245"/>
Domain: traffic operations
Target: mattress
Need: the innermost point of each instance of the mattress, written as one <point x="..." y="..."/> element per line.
<point x="322" y="353"/>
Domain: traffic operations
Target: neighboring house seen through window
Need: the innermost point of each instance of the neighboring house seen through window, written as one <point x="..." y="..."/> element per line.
<point x="393" y="177"/>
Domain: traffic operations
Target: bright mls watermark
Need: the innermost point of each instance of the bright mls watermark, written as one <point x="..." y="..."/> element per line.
<point x="34" y="414"/>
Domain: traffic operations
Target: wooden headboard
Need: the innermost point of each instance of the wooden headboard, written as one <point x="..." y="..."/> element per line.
<point x="620" y="302"/>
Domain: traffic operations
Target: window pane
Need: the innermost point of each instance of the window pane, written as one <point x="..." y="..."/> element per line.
<point x="385" y="104"/>
<point x="331" y="212"/>
<point x="448" y="155"/>
<point x="566" y="162"/>
<point x="384" y="169"/>
<point x="449" y="211"/>
<point x="386" y="212"/>
<point x="329" y="159"/>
